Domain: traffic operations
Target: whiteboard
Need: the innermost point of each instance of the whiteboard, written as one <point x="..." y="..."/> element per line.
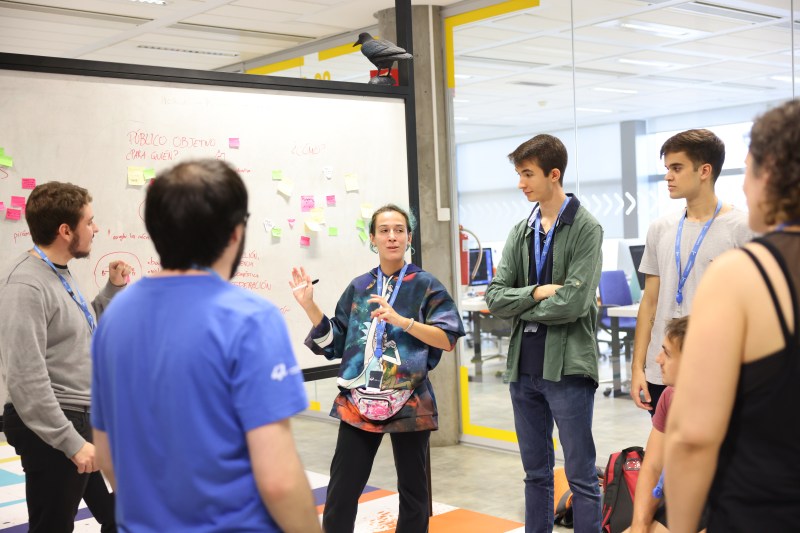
<point x="345" y="155"/>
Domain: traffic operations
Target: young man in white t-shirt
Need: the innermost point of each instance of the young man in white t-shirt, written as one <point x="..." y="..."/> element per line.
<point x="679" y="248"/>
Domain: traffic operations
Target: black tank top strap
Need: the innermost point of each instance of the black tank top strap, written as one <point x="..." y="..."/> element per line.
<point x="787" y="336"/>
<point x="790" y="281"/>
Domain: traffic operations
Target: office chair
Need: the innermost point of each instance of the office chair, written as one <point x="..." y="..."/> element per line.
<point x="615" y="291"/>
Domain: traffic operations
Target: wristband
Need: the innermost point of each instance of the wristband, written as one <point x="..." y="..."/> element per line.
<point x="409" y="326"/>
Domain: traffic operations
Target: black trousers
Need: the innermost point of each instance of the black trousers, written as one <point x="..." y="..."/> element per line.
<point x="655" y="393"/>
<point x="53" y="486"/>
<point x="350" y="469"/>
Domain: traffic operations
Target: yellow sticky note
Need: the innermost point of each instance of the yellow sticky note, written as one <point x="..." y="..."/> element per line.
<point x="318" y="215"/>
<point x="285" y="188"/>
<point x="277" y="175"/>
<point x="135" y="175"/>
<point x="350" y="182"/>
<point x="333" y="232"/>
<point x="276" y="232"/>
<point x="366" y="210"/>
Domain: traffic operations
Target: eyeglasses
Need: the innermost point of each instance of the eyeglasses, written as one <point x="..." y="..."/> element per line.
<point x="246" y="218"/>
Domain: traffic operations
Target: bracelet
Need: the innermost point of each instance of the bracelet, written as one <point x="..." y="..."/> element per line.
<point x="409" y="326"/>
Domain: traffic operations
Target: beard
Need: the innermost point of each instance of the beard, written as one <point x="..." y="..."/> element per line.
<point x="74" y="248"/>
<point x="239" y="254"/>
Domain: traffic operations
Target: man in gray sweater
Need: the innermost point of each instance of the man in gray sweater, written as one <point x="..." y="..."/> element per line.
<point x="46" y="328"/>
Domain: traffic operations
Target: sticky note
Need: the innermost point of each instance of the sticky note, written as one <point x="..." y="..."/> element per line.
<point x="312" y="226"/>
<point x="362" y="235"/>
<point x="318" y="215"/>
<point x="13" y="214"/>
<point x="2" y="150"/>
<point x="149" y="173"/>
<point x="135" y="175"/>
<point x="360" y="224"/>
<point x="233" y="142"/>
<point x="277" y="175"/>
<point x="268" y="225"/>
<point x="327" y="172"/>
<point x="2" y="206"/>
<point x="331" y="200"/>
<point x="285" y="188"/>
<point x="6" y="161"/>
<point x="17" y="201"/>
<point x="366" y="210"/>
<point x="305" y="241"/>
<point x="333" y="232"/>
<point x="306" y="203"/>
<point x="350" y="182"/>
<point x="291" y="222"/>
<point x="276" y="232"/>
<point x="28" y="183"/>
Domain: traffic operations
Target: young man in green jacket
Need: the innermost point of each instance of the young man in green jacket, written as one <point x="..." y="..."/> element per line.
<point x="546" y="284"/>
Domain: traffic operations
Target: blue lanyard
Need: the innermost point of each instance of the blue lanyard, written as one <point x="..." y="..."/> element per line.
<point x="76" y="294"/>
<point x="381" y="327"/>
<point x="693" y="255"/>
<point x="781" y="227"/>
<point x="539" y="253"/>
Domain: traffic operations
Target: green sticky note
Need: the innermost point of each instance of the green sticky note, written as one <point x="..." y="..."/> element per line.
<point x="2" y="150"/>
<point x="333" y="232"/>
<point x="276" y="232"/>
<point x="149" y="173"/>
<point x="277" y="175"/>
<point x="362" y="235"/>
<point x="360" y="224"/>
<point x="6" y="161"/>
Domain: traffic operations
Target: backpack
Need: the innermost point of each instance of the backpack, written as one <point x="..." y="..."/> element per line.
<point x="562" y="498"/>
<point x="620" y="479"/>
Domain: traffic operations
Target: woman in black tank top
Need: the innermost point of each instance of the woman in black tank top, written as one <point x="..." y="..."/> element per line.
<point x="733" y="434"/>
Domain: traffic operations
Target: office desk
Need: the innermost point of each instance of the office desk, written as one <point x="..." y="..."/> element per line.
<point x="614" y="313"/>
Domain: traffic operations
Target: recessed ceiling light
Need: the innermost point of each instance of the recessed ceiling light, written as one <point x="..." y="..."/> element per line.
<point x="157" y="2"/>
<point x="613" y="90"/>
<point x="189" y="50"/>
<point x="593" y="110"/>
<point x="787" y="79"/>
<point x="646" y="63"/>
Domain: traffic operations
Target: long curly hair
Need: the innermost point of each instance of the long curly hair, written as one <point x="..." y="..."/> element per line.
<point x="775" y="149"/>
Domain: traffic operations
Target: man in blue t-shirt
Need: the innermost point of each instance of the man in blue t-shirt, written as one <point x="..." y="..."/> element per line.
<point x="194" y="379"/>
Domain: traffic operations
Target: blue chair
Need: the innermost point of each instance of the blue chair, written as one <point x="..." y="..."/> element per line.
<point x="615" y="291"/>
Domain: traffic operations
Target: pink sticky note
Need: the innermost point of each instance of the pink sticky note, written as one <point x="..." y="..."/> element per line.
<point x="305" y="241"/>
<point x="291" y="222"/>
<point x="13" y="214"/>
<point x="17" y="201"/>
<point x="233" y="142"/>
<point x="331" y="200"/>
<point x="28" y="183"/>
<point x="306" y="203"/>
<point x="2" y="206"/>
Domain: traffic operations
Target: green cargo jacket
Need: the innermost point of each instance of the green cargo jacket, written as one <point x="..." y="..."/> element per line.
<point x="571" y="313"/>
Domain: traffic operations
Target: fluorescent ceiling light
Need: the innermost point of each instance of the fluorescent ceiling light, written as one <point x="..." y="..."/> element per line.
<point x="787" y="79"/>
<point x="460" y="101"/>
<point x="189" y="50"/>
<point x="462" y="76"/>
<point x="157" y="2"/>
<point x="613" y="90"/>
<point x="657" y="29"/>
<point x="460" y="118"/>
<point x="593" y="110"/>
<point x="645" y="63"/>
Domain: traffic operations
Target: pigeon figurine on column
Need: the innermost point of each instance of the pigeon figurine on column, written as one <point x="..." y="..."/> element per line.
<point x="380" y="52"/>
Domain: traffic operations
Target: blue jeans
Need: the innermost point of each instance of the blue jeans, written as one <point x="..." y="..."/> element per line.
<point x="537" y="403"/>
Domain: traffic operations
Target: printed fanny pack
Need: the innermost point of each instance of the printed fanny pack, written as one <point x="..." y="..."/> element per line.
<point x="380" y="405"/>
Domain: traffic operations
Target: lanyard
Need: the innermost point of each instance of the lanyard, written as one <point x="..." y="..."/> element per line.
<point x="381" y="327"/>
<point x="693" y="255"/>
<point x="76" y="294"/>
<point x="539" y="254"/>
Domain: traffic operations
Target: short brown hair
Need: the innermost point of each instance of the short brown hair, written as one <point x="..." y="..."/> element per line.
<point x="676" y="330"/>
<point x="410" y="222"/>
<point x="546" y="151"/>
<point x="52" y="204"/>
<point x="701" y="146"/>
<point x="775" y="149"/>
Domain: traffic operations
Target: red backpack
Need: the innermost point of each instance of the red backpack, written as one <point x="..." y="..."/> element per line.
<point x="620" y="479"/>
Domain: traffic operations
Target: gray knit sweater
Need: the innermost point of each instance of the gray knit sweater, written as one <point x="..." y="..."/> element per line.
<point x="45" y="345"/>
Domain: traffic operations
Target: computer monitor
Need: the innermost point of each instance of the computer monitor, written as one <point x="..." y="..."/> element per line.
<point x="637" y="250"/>
<point x="484" y="274"/>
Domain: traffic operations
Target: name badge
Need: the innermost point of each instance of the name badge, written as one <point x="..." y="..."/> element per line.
<point x="374" y="380"/>
<point x="531" y="327"/>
